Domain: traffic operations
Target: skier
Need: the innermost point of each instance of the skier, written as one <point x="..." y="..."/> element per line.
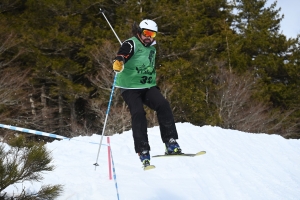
<point x="136" y="78"/>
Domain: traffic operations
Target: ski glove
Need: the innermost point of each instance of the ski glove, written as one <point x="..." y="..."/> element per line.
<point x="118" y="66"/>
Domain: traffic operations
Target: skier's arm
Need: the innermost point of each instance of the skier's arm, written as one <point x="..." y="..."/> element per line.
<point x="123" y="55"/>
<point x="126" y="51"/>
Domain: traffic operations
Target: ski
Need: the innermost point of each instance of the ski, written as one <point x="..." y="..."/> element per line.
<point x="173" y="155"/>
<point x="182" y="154"/>
<point x="149" y="167"/>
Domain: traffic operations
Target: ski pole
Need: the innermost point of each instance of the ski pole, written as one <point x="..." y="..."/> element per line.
<point x="110" y="26"/>
<point x="111" y="95"/>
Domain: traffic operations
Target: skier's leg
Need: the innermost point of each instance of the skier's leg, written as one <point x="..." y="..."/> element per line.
<point x="133" y="99"/>
<point x="156" y="101"/>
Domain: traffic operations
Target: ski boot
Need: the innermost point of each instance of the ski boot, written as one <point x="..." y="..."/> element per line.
<point x="172" y="147"/>
<point x="145" y="158"/>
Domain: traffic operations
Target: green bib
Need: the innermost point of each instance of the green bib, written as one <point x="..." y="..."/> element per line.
<point x="139" y="70"/>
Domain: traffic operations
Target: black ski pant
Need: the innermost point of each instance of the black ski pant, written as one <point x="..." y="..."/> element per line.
<point x="151" y="97"/>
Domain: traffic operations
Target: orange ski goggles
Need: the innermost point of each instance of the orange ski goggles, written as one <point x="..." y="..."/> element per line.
<point x="148" y="33"/>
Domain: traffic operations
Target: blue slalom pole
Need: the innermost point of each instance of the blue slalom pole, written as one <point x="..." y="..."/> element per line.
<point x="25" y="130"/>
<point x="115" y="175"/>
<point x="111" y="94"/>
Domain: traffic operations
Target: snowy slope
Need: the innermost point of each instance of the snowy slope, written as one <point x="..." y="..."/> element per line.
<point x="237" y="165"/>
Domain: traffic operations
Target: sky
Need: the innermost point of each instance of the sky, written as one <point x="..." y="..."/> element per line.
<point x="237" y="165"/>
<point x="290" y="25"/>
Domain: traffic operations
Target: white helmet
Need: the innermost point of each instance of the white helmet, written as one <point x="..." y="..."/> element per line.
<point x="148" y="24"/>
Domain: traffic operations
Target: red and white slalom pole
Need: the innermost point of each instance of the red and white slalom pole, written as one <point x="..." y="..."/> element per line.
<point x="109" y="158"/>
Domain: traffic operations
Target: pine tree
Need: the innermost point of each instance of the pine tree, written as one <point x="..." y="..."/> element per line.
<point x="190" y="49"/>
<point x="267" y="53"/>
<point x="56" y="35"/>
<point x="25" y="161"/>
<point x="68" y="48"/>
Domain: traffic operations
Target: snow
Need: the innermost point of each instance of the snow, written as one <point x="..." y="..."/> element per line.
<point x="237" y="165"/>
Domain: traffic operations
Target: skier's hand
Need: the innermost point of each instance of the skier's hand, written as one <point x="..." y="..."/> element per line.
<point x="118" y="66"/>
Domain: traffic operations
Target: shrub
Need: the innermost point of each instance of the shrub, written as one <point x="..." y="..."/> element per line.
<point x="25" y="161"/>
